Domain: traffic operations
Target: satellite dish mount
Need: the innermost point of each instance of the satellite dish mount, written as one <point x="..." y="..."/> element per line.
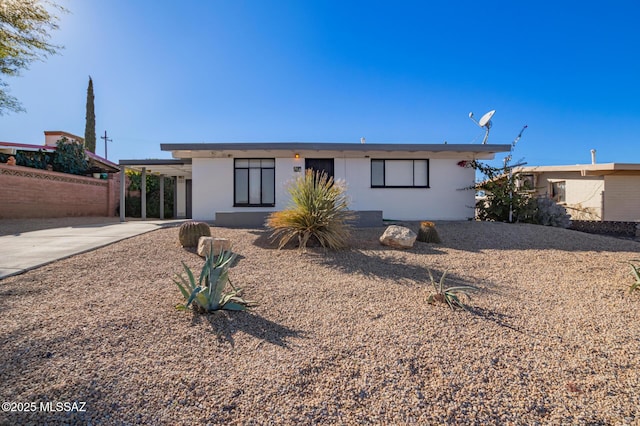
<point x="485" y="122"/>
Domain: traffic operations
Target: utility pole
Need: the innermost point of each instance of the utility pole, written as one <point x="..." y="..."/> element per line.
<point x="106" y="139"/>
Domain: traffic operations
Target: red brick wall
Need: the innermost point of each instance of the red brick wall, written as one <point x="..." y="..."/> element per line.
<point x="31" y="193"/>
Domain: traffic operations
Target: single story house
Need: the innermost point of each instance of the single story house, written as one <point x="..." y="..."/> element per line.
<point x="241" y="183"/>
<point x="602" y="192"/>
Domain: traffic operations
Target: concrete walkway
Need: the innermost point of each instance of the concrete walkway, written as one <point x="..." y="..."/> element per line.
<point x="29" y="250"/>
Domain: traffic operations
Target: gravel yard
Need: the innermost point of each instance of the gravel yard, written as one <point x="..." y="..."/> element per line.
<point x="553" y="337"/>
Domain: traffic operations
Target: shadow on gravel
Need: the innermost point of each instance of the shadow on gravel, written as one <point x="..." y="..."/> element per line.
<point x="376" y="264"/>
<point x="494" y="317"/>
<point x="226" y="324"/>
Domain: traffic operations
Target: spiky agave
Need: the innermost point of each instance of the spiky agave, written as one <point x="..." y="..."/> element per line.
<point x="635" y="271"/>
<point x="450" y="295"/>
<point x="208" y="294"/>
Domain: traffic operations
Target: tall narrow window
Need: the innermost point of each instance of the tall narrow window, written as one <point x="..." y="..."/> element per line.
<point x="254" y="182"/>
<point x="399" y="173"/>
<point x="558" y="191"/>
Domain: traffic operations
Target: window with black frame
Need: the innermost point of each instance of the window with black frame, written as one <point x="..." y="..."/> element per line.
<point x="387" y="173"/>
<point x="254" y="182"/>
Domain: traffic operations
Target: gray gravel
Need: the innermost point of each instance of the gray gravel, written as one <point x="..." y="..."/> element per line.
<point x="338" y="338"/>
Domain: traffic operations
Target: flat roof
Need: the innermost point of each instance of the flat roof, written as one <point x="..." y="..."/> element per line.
<point x="597" y="169"/>
<point x="167" y="167"/>
<point x="330" y="146"/>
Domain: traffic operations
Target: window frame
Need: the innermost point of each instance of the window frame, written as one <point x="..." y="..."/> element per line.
<point x="413" y="172"/>
<point x="556" y="196"/>
<point x="261" y="168"/>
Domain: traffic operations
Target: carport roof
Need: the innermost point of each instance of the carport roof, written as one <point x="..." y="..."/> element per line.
<point x="169" y="167"/>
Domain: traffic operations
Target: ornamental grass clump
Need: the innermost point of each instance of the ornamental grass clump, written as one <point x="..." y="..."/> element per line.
<point x="208" y="294"/>
<point x="318" y="210"/>
<point x="449" y="295"/>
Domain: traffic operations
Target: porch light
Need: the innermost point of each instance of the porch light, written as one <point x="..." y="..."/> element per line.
<point x="297" y="155"/>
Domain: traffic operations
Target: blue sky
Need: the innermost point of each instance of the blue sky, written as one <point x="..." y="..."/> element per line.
<point x="335" y="71"/>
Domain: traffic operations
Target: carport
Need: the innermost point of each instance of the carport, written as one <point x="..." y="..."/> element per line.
<point x="179" y="170"/>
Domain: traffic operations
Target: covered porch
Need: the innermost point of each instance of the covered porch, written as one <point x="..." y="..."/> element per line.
<point x="179" y="170"/>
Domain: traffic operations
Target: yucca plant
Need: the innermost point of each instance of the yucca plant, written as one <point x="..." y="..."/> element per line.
<point x="449" y="295"/>
<point x="319" y="209"/>
<point x="635" y="271"/>
<point x="208" y="294"/>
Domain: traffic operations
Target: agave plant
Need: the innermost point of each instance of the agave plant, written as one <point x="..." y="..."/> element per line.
<point x="635" y="271"/>
<point x="319" y="209"/>
<point x="208" y="294"/>
<point x="449" y="295"/>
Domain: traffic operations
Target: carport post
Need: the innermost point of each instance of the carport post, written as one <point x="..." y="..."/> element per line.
<point x="122" y="185"/>
<point x="161" y="196"/>
<point x="143" y="194"/>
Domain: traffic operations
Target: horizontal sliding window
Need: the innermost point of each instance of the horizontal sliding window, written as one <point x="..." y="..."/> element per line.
<point x="254" y="182"/>
<point x="399" y="173"/>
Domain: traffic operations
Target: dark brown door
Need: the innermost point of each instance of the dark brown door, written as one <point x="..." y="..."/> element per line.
<point x="320" y="164"/>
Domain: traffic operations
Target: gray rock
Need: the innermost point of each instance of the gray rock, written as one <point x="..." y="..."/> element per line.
<point x="398" y="237"/>
<point x="219" y="244"/>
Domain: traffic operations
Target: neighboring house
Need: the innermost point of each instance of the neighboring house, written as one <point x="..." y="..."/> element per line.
<point x="605" y="192"/>
<point x="51" y="138"/>
<point x="241" y="183"/>
<point x="31" y="189"/>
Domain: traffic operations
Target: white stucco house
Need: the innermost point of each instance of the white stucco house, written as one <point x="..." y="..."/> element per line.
<point x="241" y="183"/>
<point x="601" y="192"/>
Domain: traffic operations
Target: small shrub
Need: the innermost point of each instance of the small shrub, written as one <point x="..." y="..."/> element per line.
<point x="635" y="271"/>
<point x="449" y="295"/>
<point x="319" y="210"/>
<point x="208" y="294"/>
<point x="550" y="213"/>
<point x="190" y="232"/>
<point x="70" y="157"/>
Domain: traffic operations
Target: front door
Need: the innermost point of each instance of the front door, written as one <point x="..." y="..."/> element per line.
<point x="320" y="164"/>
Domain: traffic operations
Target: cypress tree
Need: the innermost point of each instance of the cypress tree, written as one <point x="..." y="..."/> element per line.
<point x="90" y="126"/>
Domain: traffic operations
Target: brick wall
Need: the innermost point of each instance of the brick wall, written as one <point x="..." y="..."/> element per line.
<point x="32" y="193"/>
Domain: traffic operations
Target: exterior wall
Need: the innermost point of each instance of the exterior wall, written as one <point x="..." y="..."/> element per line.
<point x="32" y="193"/>
<point x="583" y="193"/>
<point x="444" y="200"/>
<point x="622" y="198"/>
<point x="51" y="137"/>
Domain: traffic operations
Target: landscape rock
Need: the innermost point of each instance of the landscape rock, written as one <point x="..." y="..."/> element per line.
<point x="219" y="244"/>
<point x="398" y="237"/>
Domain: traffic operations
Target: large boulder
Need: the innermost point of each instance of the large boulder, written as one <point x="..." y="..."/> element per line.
<point x="398" y="237"/>
<point x="218" y="244"/>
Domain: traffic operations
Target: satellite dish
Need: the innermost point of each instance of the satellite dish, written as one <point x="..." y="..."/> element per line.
<point x="485" y="122"/>
<point x="486" y="119"/>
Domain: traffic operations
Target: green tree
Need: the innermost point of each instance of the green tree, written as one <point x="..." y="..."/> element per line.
<point x="90" y="123"/>
<point x="24" y="37"/>
<point x="506" y="199"/>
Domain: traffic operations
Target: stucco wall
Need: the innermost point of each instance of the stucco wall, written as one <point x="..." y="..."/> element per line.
<point x="32" y="193"/>
<point x="622" y="198"/>
<point x="583" y="193"/>
<point x="444" y="200"/>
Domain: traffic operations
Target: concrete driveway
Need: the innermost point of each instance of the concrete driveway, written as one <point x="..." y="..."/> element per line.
<point x="29" y="250"/>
